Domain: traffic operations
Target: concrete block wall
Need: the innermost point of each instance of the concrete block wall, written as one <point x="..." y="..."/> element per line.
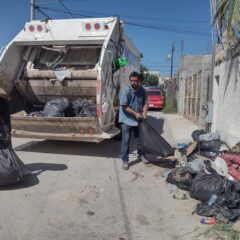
<point x="226" y="101"/>
<point x="189" y="66"/>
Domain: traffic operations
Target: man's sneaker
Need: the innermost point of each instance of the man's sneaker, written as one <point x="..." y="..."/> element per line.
<point x="125" y="165"/>
<point x="143" y="159"/>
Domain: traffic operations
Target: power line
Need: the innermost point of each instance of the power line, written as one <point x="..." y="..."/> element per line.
<point x="148" y="26"/>
<point x="62" y="11"/>
<point x="42" y="12"/>
<point x="144" y="18"/>
<point x="64" y="6"/>
<point x="167" y="29"/>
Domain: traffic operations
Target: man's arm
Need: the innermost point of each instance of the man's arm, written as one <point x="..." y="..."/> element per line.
<point x="145" y="109"/>
<point x="132" y="112"/>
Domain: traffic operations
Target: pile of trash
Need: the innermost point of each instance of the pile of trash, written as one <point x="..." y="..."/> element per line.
<point x="60" y="107"/>
<point x="209" y="175"/>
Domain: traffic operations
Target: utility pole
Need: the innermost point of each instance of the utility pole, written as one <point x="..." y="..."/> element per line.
<point x="172" y="52"/>
<point x="32" y="7"/>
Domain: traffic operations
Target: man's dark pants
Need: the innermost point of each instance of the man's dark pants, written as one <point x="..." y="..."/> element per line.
<point x="126" y="137"/>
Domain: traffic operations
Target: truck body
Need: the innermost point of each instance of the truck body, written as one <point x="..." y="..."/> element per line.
<point x="72" y="58"/>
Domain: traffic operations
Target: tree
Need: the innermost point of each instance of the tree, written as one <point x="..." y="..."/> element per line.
<point x="227" y="18"/>
<point x="144" y="74"/>
<point x="153" y="80"/>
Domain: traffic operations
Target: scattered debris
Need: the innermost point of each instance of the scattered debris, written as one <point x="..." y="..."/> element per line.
<point x="236" y="226"/>
<point x="137" y="175"/>
<point x="223" y="230"/>
<point x="192" y="147"/>
<point x="209" y="221"/>
<point x="181" y="196"/>
<point x="172" y="188"/>
<point x="90" y="213"/>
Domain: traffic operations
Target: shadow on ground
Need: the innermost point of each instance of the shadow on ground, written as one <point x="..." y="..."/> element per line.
<point x="35" y="169"/>
<point x="161" y="162"/>
<point x="107" y="148"/>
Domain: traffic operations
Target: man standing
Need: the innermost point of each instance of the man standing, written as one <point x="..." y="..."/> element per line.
<point x="133" y="108"/>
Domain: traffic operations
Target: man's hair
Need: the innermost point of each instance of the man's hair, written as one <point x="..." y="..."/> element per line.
<point x="134" y="74"/>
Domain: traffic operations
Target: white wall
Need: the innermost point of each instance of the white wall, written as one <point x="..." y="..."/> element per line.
<point x="226" y="100"/>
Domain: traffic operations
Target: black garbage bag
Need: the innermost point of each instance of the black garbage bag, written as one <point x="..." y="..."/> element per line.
<point x="12" y="169"/>
<point x="181" y="177"/>
<point x="210" y="146"/>
<point x="83" y="108"/>
<point x="196" y="134"/>
<point x="205" y="210"/>
<point x="227" y="203"/>
<point x="152" y="142"/>
<point x="55" y="107"/>
<point x="208" y="154"/>
<point x="205" y="185"/>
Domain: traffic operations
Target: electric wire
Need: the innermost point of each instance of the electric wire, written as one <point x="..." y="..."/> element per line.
<point x="136" y="24"/>
<point x="64" y="6"/>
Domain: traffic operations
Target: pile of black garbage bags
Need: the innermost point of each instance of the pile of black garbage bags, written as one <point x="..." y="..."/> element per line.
<point x="61" y="107"/>
<point x="218" y="195"/>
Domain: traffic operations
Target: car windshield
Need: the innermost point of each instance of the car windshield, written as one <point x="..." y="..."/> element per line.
<point x="154" y="93"/>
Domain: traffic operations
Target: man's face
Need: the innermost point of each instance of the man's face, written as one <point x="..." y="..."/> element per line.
<point x="134" y="81"/>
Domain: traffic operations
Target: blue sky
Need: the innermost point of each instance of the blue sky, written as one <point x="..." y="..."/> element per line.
<point x="170" y="17"/>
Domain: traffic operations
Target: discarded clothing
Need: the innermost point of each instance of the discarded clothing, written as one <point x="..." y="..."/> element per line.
<point x="235" y="149"/>
<point x="55" y="107"/>
<point x="233" y="164"/>
<point x="84" y="108"/>
<point x="152" y="142"/>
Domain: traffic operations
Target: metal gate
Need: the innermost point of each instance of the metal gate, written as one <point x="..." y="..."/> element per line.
<point x="193" y="97"/>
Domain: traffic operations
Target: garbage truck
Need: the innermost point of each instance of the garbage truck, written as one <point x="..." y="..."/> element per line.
<point x="72" y="58"/>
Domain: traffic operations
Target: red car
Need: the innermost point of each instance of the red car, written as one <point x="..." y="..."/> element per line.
<point x="155" y="98"/>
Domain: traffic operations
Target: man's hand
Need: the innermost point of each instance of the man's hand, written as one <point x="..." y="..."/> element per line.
<point x="138" y="116"/>
<point x="145" y="117"/>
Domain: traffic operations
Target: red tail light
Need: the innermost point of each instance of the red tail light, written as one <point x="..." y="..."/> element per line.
<point x="97" y="26"/>
<point x="88" y="26"/>
<point x="91" y="131"/>
<point x="31" y="28"/>
<point x="39" y="28"/>
<point x="81" y="131"/>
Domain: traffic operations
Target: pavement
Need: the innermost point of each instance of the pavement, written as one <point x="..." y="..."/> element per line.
<point x="78" y="191"/>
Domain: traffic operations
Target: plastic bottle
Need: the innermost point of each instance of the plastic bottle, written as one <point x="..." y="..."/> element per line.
<point x="209" y="221"/>
<point x="212" y="200"/>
